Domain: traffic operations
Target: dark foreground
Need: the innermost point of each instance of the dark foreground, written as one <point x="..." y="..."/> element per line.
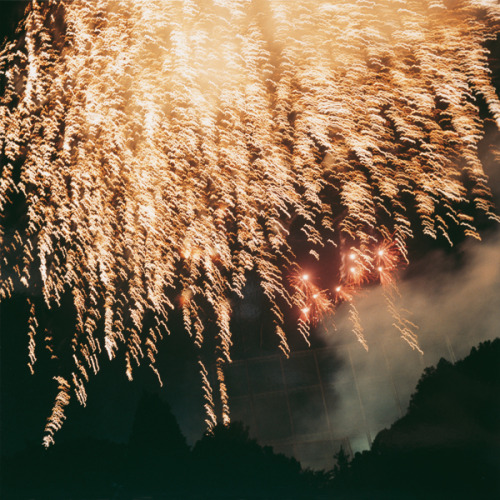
<point x="446" y="446"/>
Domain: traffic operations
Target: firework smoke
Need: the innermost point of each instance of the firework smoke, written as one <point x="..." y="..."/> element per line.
<point x="162" y="150"/>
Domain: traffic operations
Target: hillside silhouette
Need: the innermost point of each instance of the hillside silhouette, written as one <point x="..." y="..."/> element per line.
<point x="155" y="463"/>
<point x="446" y="446"/>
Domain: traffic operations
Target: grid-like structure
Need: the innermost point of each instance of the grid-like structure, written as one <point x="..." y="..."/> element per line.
<point x="320" y="399"/>
<point x="286" y="404"/>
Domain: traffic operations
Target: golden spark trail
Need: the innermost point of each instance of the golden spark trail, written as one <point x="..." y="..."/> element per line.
<point x="160" y="151"/>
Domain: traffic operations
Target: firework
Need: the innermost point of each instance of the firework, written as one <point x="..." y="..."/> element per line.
<point x="313" y="303"/>
<point x="160" y="152"/>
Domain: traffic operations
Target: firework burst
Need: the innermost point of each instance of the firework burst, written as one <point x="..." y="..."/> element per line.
<point x="160" y="150"/>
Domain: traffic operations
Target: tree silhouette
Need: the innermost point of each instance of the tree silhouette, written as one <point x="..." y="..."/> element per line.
<point x="80" y="469"/>
<point x="158" y="453"/>
<point x="341" y="469"/>
<point x="448" y="443"/>
<point x="228" y="462"/>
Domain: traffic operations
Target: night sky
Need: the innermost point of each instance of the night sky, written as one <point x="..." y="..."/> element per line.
<point x="453" y="296"/>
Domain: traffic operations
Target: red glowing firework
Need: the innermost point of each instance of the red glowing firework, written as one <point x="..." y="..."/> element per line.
<point x="314" y="303"/>
<point x="387" y="260"/>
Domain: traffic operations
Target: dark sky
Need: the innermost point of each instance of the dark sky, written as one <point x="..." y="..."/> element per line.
<point x="453" y="296"/>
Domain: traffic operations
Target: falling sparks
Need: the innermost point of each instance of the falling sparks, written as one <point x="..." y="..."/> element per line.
<point x="211" y="419"/>
<point x="162" y="151"/>
<point x="32" y="326"/>
<point x="313" y="302"/>
<point x="57" y="417"/>
<point x="357" y="327"/>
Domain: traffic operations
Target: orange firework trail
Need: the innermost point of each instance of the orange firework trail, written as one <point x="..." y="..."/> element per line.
<point x="161" y="149"/>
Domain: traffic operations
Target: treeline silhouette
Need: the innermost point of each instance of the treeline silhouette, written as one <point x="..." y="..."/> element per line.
<point x="155" y="463"/>
<point x="446" y="446"/>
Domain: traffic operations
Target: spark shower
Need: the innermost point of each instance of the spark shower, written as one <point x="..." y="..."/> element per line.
<point x="154" y="153"/>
